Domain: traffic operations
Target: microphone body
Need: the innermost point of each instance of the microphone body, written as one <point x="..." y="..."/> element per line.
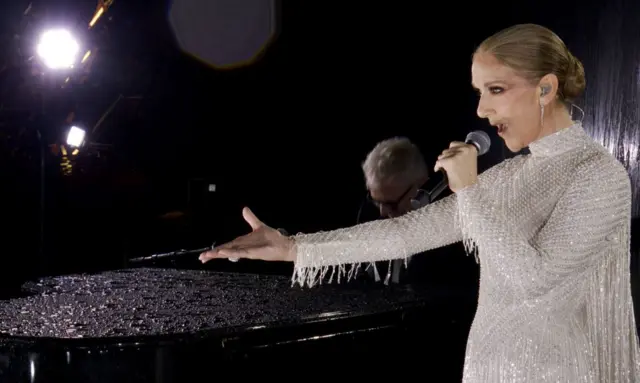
<point x="440" y="187"/>
<point x="477" y="138"/>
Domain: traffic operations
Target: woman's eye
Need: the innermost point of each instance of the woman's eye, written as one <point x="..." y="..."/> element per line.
<point x="496" y="90"/>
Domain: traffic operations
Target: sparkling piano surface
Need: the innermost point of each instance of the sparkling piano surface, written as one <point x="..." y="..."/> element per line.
<point x="170" y="325"/>
<point x="152" y="302"/>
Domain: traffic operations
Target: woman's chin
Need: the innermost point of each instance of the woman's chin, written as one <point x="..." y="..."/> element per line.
<point x="513" y="147"/>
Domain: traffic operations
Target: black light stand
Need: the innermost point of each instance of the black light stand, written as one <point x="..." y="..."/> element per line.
<point x="42" y="267"/>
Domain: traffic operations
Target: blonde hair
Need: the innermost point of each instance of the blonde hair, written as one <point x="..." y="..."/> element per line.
<point x="393" y="159"/>
<point x="534" y="51"/>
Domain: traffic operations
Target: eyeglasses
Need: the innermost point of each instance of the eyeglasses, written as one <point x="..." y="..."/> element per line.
<point x="392" y="205"/>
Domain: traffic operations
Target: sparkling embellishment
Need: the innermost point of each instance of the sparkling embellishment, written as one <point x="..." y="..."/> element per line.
<point x="612" y="238"/>
<point x="551" y="231"/>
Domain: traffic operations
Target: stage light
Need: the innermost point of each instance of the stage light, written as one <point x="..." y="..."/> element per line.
<point x="58" y="49"/>
<point x="75" y="137"/>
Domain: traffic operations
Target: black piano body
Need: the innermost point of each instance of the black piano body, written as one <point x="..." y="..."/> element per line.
<point x="169" y="325"/>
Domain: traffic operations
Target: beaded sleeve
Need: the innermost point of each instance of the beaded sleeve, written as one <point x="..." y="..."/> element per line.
<point x="339" y="253"/>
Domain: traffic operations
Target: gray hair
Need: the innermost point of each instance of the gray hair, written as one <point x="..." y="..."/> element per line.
<point x="391" y="159"/>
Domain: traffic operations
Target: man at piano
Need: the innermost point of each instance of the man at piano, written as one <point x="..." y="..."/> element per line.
<point x="395" y="175"/>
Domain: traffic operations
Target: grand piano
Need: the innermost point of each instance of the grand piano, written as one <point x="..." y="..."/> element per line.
<point x="174" y="325"/>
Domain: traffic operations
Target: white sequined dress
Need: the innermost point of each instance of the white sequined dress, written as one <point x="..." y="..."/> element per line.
<point x="551" y="231"/>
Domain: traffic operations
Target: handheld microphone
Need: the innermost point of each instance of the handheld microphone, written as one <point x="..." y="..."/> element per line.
<point x="477" y="138"/>
<point x="421" y="200"/>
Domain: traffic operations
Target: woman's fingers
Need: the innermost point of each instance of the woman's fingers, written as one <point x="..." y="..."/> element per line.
<point x="216" y="251"/>
<point x="448" y="153"/>
<point x="238" y="253"/>
<point x="209" y="255"/>
<point x="232" y="253"/>
<point x="238" y="248"/>
<point x="442" y="163"/>
<point x="251" y="219"/>
<point x="241" y="246"/>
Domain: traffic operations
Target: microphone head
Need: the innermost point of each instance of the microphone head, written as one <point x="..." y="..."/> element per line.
<point x="481" y="141"/>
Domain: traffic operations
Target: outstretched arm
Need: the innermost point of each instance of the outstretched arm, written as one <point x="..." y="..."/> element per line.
<point x="317" y="254"/>
<point x="433" y="226"/>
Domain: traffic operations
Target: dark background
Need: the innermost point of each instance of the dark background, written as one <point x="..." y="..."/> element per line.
<point x="285" y="135"/>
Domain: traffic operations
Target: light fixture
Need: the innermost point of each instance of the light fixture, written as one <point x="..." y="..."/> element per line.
<point x="75" y="137"/>
<point x="58" y="49"/>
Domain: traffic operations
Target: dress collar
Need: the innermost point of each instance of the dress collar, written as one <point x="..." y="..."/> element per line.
<point x="560" y="142"/>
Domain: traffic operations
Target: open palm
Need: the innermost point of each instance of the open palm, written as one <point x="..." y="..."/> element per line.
<point x="264" y="243"/>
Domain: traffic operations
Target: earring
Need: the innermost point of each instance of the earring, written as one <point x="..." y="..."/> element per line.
<point x="543" y="92"/>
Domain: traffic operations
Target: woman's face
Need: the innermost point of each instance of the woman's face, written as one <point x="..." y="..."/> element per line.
<point x="508" y="101"/>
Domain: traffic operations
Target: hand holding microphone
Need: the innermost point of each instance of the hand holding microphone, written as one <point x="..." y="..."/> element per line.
<point x="460" y="161"/>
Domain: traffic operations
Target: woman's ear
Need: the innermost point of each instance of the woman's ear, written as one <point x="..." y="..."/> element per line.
<point x="548" y="89"/>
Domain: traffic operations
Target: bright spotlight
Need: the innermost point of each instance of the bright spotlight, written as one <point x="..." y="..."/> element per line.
<point x="58" y="49"/>
<point x="75" y="137"/>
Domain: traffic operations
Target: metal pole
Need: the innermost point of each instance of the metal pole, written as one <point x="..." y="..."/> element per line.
<point x="41" y="251"/>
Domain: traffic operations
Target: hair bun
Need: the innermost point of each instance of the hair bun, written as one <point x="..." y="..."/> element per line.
<point x="575" y="81"/>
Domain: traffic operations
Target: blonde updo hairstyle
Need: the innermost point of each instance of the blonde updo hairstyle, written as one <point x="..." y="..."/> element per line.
<point x="534" y="51"/>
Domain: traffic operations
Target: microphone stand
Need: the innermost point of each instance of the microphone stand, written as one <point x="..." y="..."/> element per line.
<point x="42" y="261"/>
<point x="171" y="254"/>
<point x="183" y="252"/>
